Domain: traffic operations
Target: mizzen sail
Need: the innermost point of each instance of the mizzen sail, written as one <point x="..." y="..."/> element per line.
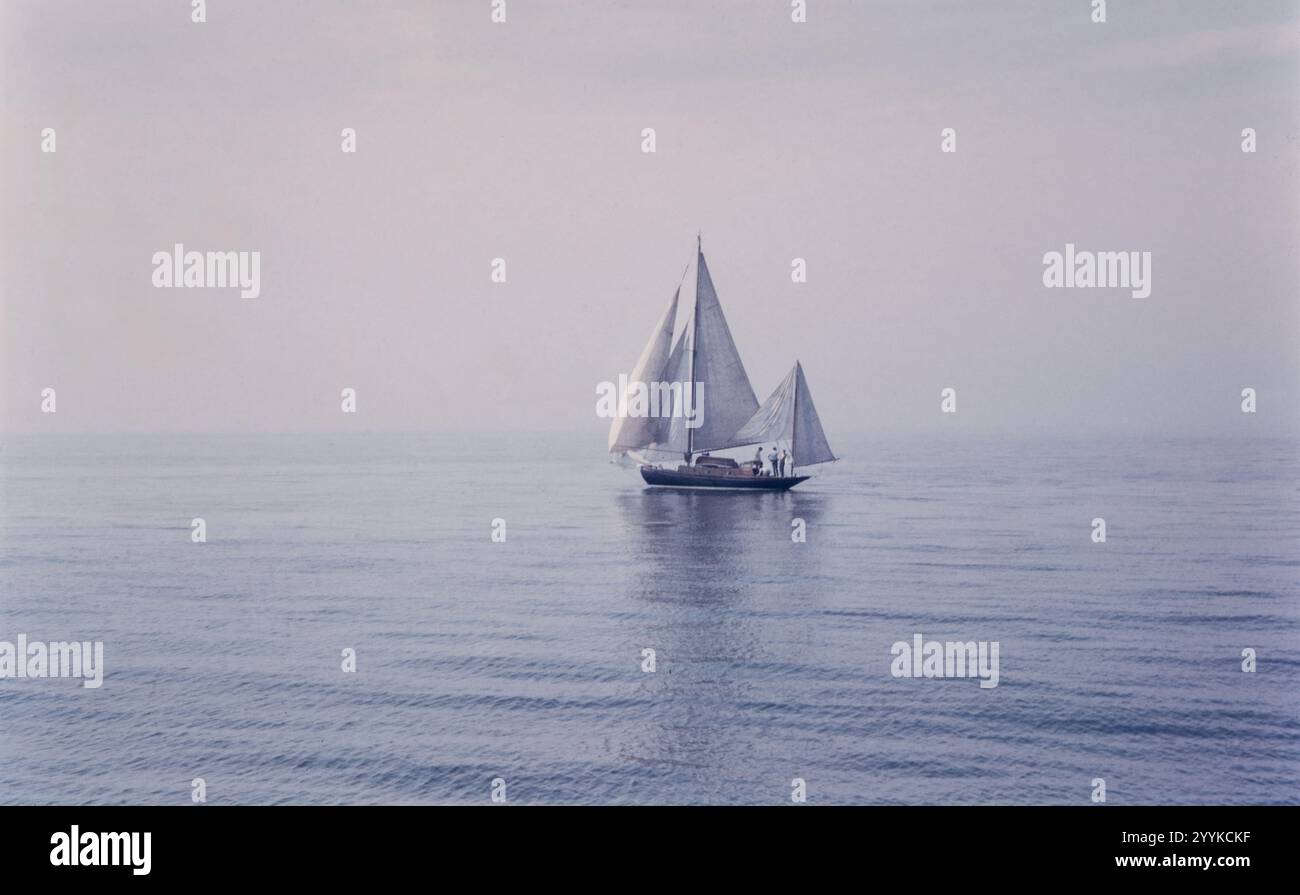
<point x="789" y="415"/>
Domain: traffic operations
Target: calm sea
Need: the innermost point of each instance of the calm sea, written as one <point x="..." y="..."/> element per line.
<point x="523" y="660"/>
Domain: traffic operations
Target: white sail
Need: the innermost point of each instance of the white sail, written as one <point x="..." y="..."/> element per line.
<point x="726" y="399"/>
<point x="789" y="415"/>
<point x="633" y="432"/>
<point x="809" y="444"/>
<point x="670" y="430"/>
<point x="774" y="420"/>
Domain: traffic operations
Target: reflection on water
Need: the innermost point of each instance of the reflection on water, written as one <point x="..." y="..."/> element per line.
<point x="698" y="547"/>
<point x="698" y="556"/>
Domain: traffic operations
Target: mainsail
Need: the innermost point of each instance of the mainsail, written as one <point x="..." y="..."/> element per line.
<point x="704" y="354"/>
<point x="789" y="415"/>
<point x="726" y="399"/>
<point x="632" y="432"/>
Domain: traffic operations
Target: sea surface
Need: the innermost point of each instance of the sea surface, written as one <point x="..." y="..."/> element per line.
<point x="522" y="659"/>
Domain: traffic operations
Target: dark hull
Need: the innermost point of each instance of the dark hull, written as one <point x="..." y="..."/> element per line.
<point x="667" y="478"/>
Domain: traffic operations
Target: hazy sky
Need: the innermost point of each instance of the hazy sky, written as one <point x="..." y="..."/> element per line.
<point x="523" y="140"/>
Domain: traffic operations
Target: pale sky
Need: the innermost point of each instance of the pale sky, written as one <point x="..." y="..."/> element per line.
<point x="523" y="141"/>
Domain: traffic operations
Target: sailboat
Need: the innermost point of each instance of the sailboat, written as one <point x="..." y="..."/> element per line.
<point x="710" y="406"/>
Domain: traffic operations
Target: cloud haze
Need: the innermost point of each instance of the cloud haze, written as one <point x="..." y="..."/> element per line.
<point x="522" y="141"/>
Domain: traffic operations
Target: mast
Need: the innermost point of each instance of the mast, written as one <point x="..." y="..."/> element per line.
<point x="695" y="324"/>
<point x="794" y="416"/>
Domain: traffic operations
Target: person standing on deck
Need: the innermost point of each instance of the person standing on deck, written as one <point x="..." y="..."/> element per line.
<point x="771" y="458"/>
<point x="758" y="461"/>
<point x="781" y="462"/>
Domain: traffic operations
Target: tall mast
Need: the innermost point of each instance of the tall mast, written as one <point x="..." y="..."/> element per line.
<point x="695" y="325"/>
<point x="794" y="415"/>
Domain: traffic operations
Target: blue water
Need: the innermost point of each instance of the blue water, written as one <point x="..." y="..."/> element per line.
<point x="522" y="660"/>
